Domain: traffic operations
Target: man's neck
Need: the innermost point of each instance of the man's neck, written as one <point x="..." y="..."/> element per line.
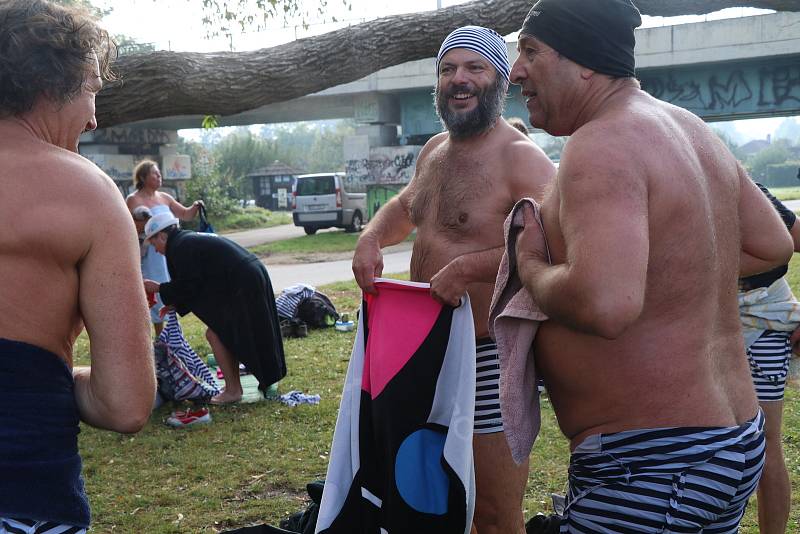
<point x="602" y="98"/>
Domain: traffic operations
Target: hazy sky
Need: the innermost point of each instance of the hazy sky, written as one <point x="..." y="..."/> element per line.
<point x="177" y="25"/>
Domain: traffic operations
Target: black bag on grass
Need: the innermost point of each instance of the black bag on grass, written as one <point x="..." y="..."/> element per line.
<point x="317" y="311"/>
<point x="304" y="522"/>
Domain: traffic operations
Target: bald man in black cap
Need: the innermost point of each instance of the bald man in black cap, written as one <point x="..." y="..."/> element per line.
<point x="649" y="225"/>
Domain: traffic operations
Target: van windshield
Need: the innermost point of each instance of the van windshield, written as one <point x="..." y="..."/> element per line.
<point x="318" y="185"/>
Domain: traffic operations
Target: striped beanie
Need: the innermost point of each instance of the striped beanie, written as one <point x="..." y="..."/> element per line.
<point x="484" y="41"/>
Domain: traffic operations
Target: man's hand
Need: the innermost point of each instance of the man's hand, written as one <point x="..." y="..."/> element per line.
<point x="530" y="246"/>
<point x="449" y="284"/>
<point x="151" y="287"/>
<point x="367" y="263"/>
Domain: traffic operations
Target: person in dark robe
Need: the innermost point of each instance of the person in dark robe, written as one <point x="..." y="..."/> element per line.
<point x="229" y="290"/>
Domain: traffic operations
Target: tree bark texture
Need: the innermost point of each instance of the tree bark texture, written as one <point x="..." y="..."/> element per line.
<point x="164" y="84"/>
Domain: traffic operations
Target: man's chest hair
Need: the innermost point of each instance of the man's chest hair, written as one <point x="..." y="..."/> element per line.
<point x="454" y="195"/>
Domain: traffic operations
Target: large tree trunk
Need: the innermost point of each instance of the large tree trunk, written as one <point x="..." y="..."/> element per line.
<point x="163" y="84"/>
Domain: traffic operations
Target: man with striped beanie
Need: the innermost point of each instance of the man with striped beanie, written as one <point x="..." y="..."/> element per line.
<point x="466" y="181"/>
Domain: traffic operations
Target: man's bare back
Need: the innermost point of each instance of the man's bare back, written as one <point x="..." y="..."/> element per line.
<point x="682" y="357"/>
<point x="460" y="198"/>
<point x="51" y="198"/>
<point x="69" y="260"/>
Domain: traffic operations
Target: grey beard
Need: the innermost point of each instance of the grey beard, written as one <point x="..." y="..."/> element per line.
<point x="491" y="103"/>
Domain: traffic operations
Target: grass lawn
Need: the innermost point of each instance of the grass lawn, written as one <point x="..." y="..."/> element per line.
<point x="249" y="218"/>
<point x="785" y="193"/>
<point x="325" y="242"/>
<point x="252" y="463"/>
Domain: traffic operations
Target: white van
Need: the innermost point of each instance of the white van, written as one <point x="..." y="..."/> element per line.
<point x="322" y="201"/>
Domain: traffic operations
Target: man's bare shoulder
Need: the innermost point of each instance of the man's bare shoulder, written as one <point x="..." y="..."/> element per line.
<point x="88" y="179"/>
<point x="433" y="143"/>
<point x="528" y="169"/>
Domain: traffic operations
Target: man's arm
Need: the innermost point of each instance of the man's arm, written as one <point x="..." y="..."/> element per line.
<point x="603" y="215"/>
<point x="117" y="392"/>
<point x="766" y="243"/>
<point x="390" y="225"/>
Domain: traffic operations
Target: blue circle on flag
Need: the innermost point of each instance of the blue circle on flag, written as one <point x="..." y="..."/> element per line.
<point x="419" y="475"/>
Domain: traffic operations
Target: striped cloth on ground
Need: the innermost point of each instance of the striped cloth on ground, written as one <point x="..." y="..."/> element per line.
<point x="664" y="479"/>
<point x="172" y="336"/>
<point x="30" y="526"/>
<point x="290" y="298"/>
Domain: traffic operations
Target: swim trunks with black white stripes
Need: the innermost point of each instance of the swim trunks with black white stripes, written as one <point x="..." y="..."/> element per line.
<point x="664" y="479"/>
<point x="487" y="388"/>
<point x="769" y="364"/>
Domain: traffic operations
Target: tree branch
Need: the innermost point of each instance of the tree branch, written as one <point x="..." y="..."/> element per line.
<point x="163" y="84"/>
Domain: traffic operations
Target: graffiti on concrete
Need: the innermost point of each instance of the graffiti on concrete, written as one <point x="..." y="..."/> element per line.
<point x="718" y="90"/>
<point x="177" y="167"/>
<point x="132" y="136"/>
<point x="385" y="165"/>
<point x="780" y="85"/>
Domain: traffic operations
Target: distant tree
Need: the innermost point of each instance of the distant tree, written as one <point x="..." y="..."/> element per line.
<point x="777" y="152"/>
<point x="327" y="150"/>
<point x="241" y="152"/>
<point x="788" y="129"/>
<point x="311" y="146"/>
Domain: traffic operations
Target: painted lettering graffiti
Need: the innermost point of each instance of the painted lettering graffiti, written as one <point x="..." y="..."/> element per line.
<point x="748" y="88"/>
<point x="386" y="165"/>
<point x="132" y="135"/>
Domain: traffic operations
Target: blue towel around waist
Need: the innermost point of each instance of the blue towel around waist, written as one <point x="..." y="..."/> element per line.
<point x="39" y="425"/>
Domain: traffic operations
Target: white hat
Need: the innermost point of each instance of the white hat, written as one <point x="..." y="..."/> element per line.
<point x="158" y="222"/>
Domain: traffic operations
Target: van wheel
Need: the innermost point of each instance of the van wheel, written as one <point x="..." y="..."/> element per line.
<point x="357" y="224"/>
<point x="309" y="230"/>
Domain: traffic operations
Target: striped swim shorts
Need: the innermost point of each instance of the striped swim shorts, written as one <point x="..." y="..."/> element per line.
<point x="664" y="479"/>
<point x="30" y="526"/>
<point x="769" y="364"/>
<point x="487" y="388"/>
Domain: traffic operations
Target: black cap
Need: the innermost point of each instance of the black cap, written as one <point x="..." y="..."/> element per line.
<point x="596" y="34"/>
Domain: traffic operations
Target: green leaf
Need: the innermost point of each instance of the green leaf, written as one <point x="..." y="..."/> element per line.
<point x="210" y="121"/>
